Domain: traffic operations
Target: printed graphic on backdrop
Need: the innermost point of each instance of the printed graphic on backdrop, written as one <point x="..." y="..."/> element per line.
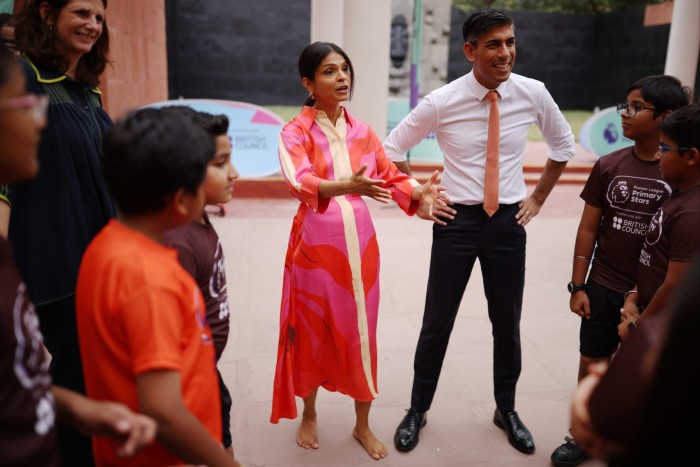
<point x="253" y="131"/>
<point x="601" y="134"/>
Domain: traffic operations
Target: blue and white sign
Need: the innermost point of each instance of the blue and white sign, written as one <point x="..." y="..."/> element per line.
<point x="253" y="131"/>
<point x="601" y="134"/>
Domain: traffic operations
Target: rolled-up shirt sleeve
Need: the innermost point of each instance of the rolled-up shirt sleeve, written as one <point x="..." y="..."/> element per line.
<point x="555" y="129"/>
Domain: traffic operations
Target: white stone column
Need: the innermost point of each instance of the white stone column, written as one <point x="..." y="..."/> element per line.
<point x="367" y="33"/>
<point x="362" y="28"/>
<point x="327" y="20"/>
<point x="684" y="42"/>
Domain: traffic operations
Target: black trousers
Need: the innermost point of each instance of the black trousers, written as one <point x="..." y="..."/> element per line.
<point x="58" y="326"/>
<point x="499" y="244"/>
<point x="226" y="404"/>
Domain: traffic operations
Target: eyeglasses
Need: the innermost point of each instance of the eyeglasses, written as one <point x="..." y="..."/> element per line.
<point x="38" y="103"/>
<point x="663" y="149"/>
<point x="632" y="109"/>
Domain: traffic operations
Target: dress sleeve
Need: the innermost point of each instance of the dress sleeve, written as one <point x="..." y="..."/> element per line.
<point x="400" y="184"/>
<point x="296" y="153"/>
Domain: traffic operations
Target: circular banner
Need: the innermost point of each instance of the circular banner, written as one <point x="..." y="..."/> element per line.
<point x="601" y="134"/>
<point x="253" y="131"/>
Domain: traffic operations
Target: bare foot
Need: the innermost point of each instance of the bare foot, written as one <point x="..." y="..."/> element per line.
<point x="307" y="437"/>
<point x="372" y="445"/>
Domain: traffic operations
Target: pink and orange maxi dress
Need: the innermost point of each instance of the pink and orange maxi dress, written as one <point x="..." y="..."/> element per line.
<point x="330" y="295"/>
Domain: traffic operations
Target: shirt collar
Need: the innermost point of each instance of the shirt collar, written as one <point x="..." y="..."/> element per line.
<point x="480" y="91"/>
<point x="308" y="115"/>
<point x="50" y="76"/>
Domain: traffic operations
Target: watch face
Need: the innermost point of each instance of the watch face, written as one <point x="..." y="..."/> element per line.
<point x="570" y="286"/>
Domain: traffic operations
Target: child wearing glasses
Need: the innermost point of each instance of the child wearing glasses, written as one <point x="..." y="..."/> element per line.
<point x="672" y="241"/>
<point x="30" y="403"/>
<point x="621" y="195"/>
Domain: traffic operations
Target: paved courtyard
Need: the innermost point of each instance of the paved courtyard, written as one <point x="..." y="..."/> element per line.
<point x="459" y="432"/>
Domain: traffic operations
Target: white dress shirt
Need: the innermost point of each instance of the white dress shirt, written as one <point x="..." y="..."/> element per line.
<point x="458" y="113"/>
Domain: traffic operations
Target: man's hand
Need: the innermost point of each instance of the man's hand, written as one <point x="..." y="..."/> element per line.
<point x="529" y="208"/>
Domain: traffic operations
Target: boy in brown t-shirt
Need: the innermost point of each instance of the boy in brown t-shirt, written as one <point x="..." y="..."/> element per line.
<point x="672" y="242"/>
<point x="200" y="251"/>
<point x="621" y="195"/>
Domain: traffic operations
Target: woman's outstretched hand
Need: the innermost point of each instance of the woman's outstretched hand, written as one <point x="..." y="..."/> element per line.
<point x="434" y="202"/>
<point x="365" y="186"/>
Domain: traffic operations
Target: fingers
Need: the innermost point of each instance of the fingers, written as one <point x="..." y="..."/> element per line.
<point x="361" y="171"/>
<point x="524" y="216"/>
<point x="436" y="213"/>
<point x="142" y="433"/>
<point x="434" y="178"/>
<point x="528" y="210"/>
<point x="443" y="210"/>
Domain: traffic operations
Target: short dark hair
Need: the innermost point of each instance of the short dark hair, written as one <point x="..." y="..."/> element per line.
<point x="214" y="124"/>
<point x="484" y="20"/>
<point x="665" y="92"/>
<point x="682" y="126"/>
<point x="38" y="41"/>
<point x="150" y="155"/>
<point x="311" y="58"/>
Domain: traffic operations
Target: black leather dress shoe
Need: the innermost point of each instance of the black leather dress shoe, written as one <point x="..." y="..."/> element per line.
<point x="518" y="435"/>
<point x="406" y="437"/>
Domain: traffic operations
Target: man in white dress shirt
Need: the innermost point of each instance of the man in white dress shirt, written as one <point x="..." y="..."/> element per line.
<point x="458" y="113"/>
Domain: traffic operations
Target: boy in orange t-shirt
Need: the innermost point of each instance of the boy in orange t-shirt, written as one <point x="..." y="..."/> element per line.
<point x="141" y="321"/>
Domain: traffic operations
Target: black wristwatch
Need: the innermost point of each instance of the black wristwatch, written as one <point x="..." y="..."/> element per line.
<point x="575" y="287"/>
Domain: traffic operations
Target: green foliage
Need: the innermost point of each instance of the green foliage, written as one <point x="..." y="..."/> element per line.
<point x="596" y="7"/>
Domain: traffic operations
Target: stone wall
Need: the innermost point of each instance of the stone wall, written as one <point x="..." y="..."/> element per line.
<point x="585" y="61"/>
<point x="247" y="51"/>
<point x="237" y="49"/>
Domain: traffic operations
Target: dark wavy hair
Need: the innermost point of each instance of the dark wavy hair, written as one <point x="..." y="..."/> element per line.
<point x="37" y="40"/>
<point x="311" y="58"/>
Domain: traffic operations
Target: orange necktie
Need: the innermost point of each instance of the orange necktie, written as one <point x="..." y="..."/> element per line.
<point x="492" y="150"/>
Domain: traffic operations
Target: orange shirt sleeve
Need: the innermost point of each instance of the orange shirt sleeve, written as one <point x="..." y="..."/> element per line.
<point x="153" y="320"/>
